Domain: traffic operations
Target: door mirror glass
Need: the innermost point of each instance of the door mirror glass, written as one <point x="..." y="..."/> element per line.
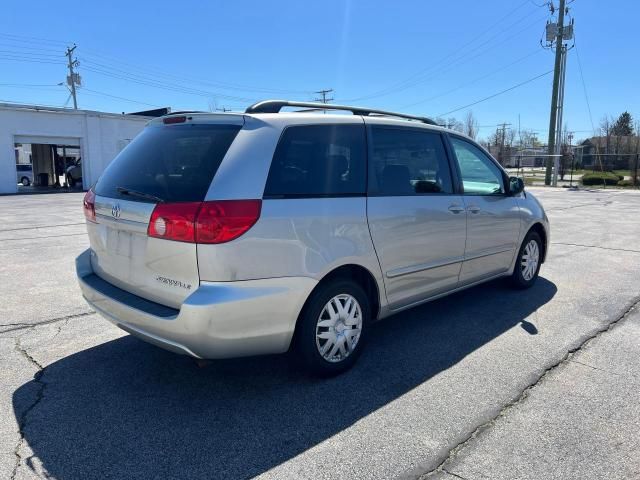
<point x="516" y="185"/>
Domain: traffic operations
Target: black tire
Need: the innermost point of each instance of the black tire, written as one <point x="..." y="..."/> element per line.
<point x="307" y="346"/>
<point x="71" y="181"/>
<point x="518" y="279"/>
<point x="25" y="181"/>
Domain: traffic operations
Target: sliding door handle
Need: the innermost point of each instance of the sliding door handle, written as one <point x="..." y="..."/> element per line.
<point x="473" y="209"/>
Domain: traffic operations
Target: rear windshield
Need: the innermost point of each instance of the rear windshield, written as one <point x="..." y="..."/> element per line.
<point x="174" y="163"/>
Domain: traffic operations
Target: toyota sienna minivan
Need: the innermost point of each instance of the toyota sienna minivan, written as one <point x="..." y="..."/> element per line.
<point x="227" y="235"/>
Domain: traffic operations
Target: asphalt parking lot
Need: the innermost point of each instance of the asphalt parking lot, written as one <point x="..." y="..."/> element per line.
<point x="487" y="383"/>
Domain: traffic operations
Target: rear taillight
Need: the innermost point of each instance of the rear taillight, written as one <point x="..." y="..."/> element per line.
<point x="217" y="221"/>
<point x="223" y="220"/>
<point x="174" y="221"/>
<point x="89" y="205"/>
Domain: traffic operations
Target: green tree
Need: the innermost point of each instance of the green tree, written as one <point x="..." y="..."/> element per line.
<point x="623" y="126"/>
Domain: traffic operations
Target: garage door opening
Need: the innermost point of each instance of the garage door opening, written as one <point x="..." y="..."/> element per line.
<point x="47" y="166"/>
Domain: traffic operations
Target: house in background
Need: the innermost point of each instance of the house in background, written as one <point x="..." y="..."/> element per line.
<point x="609" y="153"/>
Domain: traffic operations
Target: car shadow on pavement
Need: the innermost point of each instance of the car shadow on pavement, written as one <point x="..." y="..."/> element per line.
<point x="125" y="409"/>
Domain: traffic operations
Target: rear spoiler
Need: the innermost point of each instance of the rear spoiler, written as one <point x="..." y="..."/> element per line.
<point x="199" y="117"/>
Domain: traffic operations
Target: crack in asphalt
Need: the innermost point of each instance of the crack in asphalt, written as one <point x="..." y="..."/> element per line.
<point x="44" y="236"/>
<point x="23" y="326"/>
<point x="41" y="226"/>
<point x="453" y="474"/>
<point x="596" y="246"/>
<point x="580" y="205"/>
<point x="22" y="421"/>
<point x="608" y="372"/>
<point x="524" y="394"/>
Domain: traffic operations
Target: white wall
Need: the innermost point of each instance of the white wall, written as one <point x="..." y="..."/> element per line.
<point x="101" y="137"/>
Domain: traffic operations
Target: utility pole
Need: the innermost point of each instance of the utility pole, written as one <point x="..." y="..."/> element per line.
<point x="560" y="112"/>
<point x="558" y="82"/>
<point x="324" y="93"/>
<point x="503" y="137"/>
<point x="324" y="98"/>
<point x="73" y="78"/>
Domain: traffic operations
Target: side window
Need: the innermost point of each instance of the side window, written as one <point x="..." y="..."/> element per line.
<point x="408" y="162"/>
<point x="318" y="160"/>
<point x="480" y="175"/>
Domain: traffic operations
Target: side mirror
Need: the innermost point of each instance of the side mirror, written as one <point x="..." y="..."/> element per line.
<point x="516" y="186"/>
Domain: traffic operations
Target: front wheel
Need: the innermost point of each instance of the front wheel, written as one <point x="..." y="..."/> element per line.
<point x="332" y="328"/>
<point x="528" y="262"/>
<point x="25" y="181"/>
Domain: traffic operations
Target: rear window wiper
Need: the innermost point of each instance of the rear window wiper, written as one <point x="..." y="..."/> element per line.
<point x="135" y="193"/>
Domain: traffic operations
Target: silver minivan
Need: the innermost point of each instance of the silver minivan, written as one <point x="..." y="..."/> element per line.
<point x="228" y="235"/>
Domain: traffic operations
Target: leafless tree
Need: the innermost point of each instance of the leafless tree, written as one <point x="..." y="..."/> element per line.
<point x="527" y="139"/>
<point x="606" y="127"/>
<point x="471" y="125"/>
<point x="455" y="124"/>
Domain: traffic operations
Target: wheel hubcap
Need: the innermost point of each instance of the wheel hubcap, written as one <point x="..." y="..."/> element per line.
<point x="530" y="259"/>
<point x="339" y="327"/>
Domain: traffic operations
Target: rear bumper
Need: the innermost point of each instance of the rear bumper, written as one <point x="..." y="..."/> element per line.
<point x="218" y="320"/>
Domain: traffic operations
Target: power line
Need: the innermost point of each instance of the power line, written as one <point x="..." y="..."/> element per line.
<point x="472" y="82"/>
<point x="37" y="49"/>
<point x="16" y="58"/>
<point x="25" y="42"/>
<point x="496" y="94"/>
<point x="442" y="60"/>
<point x="584" y="88"/>
<point x="29" y="39"/>
<point x="167" y="86"/>
<point x="18" y="53"/>
<point x="419" y="77"/>
<point x="84" y="89"/>
<point x="225" y="86"/>
<point x="29" y="85"/>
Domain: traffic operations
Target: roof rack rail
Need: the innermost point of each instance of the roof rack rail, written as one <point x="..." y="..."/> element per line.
<point x="274" y="106"/>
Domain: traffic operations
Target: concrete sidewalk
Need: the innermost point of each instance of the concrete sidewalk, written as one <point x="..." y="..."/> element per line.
<point x="581" y="420"/>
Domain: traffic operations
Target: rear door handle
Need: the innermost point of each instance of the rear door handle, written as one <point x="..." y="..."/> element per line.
<point x="473" y="209"/>
<point x="456" y="209"/>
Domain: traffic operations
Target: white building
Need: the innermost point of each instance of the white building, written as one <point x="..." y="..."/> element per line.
<point x="52" y="139"/>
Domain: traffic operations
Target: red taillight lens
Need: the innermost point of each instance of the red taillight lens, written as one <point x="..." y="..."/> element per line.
<point x="174" y="221"/>
<point x="89" y="206"/>
<point x="220" y="221"/>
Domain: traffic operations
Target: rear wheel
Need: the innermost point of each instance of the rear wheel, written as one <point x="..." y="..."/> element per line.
<point x="70" y="181"/>
<point x="25" y="181"/>
<point x="332" y="327"/>
<point x="528" y="262"/>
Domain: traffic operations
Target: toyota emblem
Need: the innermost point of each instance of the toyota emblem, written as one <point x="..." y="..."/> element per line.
<point x="115" y="211"/>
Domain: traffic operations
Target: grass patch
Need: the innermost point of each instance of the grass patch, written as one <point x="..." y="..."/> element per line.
<point x="625" y="183"/>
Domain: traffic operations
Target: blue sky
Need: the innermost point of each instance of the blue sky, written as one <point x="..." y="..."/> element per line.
<point x="421" y="56"/>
